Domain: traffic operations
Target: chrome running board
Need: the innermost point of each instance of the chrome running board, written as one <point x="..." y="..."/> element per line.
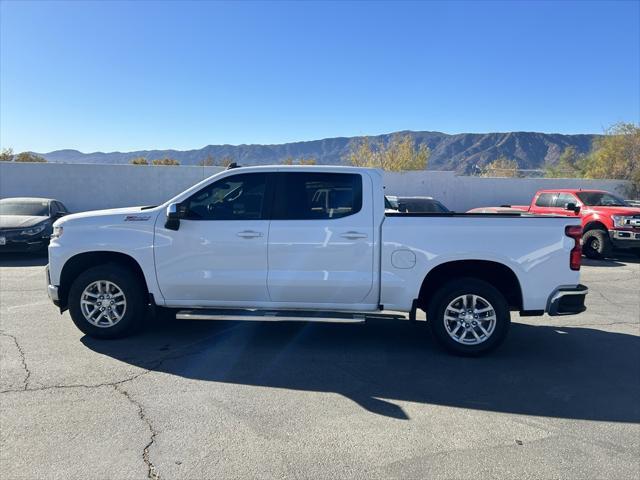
<point x="282" y="315"/>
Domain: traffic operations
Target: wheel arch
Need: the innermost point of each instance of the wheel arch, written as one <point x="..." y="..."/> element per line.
<point x="82" y="261"/>
<point x="497" y="274"/>
<point x="595" y="225"/>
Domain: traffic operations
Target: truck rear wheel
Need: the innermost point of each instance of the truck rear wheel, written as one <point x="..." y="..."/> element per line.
<point x="469" y="316"/>
<point x="107" y="301"/>
<point x="596" y="244"/>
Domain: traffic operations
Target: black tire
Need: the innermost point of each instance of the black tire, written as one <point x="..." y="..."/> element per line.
<point x="596" y="244"/>
<point x="461" y="287"/>
<point x="134" y="293"/>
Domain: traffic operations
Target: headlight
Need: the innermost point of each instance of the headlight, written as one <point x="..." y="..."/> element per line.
<point x="619" y="220"/>
<point x="57" y="232"/>
<point x="33" y="230"/>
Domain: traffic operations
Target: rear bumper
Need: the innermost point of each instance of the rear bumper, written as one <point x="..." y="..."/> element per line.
<point x="567" y="300"/>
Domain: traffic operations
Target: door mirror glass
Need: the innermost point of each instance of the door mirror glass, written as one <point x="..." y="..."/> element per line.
<point x="173" y="216"/>
<point x="173" y="211"/>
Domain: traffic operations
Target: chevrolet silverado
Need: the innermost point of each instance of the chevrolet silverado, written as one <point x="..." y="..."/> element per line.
<point x="312" y="243"/>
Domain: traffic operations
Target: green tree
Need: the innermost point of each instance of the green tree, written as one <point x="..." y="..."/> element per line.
<point x="29" y="157"/>
<point x="165" y="161"/>
<point x="570" y="164"/>
<point x="6" y="155"/>
<point x="139" y="161"/>
<point x="501" y="167"/>
<point x="617" y="155"/>
<point x="398" y="154"/>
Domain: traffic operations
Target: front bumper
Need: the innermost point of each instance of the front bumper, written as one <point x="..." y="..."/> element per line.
<point x="625" y="238"/>
<point x="567" y="300"/>
<point x="52" y="290"/>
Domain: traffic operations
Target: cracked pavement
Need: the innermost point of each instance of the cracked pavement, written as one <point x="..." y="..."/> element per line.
<point x="561" y="399"/>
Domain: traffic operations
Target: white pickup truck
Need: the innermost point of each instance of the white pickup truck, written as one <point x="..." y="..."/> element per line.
<point x="312" y="243"/>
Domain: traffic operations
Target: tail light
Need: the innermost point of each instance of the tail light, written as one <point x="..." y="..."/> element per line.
<point x="575" y="256"/>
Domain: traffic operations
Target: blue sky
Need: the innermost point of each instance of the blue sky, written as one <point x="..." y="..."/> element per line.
<point x="139" y="75"/>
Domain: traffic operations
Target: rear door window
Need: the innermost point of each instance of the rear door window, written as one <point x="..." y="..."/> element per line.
<point x="317" y="195"/>
<point x="546" y="200"/>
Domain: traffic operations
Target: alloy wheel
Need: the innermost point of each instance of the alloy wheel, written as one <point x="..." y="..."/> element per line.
<point x="470" y="319"/>
<point x="103" y="303"/>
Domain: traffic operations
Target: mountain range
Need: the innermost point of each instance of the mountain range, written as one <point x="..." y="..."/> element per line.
<point x="458" y="152"/>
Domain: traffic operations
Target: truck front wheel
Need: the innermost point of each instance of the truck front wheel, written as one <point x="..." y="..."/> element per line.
<point x="596" y="244"/>
<point x="469" y="316"/>
<point x="107" y="301"/>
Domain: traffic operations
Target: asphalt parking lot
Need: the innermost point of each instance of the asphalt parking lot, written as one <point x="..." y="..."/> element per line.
<point x="561" y="399"/>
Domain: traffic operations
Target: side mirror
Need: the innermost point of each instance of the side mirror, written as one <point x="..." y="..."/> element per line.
<point x="173" y="217"/>
<point x="572" y="207"/>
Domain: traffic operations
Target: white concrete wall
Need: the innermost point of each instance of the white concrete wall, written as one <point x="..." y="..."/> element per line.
<point x="90" y="187"/>
<point x="462" y="193"/>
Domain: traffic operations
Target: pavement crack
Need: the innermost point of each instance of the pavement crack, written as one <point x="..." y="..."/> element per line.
<point x="152" y="471"/>
<point x="23" y="360"/>
<point x="187" y="350"/>
<point x="79" y="385"/>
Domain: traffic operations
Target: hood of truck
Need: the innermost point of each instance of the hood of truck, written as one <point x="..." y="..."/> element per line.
<point x="128" y="214"/>
<point x="627" y="211"/>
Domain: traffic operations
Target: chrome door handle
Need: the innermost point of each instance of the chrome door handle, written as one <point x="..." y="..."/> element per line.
<point x="249" y="234"/>
<point x="353" y="235"/>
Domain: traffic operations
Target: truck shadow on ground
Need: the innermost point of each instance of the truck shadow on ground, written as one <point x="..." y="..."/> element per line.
<point x="616" y="261"/>
<point x="576" y="373"/>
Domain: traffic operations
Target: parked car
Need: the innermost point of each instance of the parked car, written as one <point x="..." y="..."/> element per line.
<point x="608" y="221"/>
<point x="26" y="223"/>
<point x="259" y="242"/>
<point x="417" y="205"/>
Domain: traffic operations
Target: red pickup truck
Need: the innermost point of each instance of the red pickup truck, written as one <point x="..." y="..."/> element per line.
<point x="608" y="222"/>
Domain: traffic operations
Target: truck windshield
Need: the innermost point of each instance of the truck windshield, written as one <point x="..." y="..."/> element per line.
<point x="600" y="199"/>
<point x="31" y="209"/>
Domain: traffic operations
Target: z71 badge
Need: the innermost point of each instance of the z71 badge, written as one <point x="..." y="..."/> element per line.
<point x="137" y="218"/>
